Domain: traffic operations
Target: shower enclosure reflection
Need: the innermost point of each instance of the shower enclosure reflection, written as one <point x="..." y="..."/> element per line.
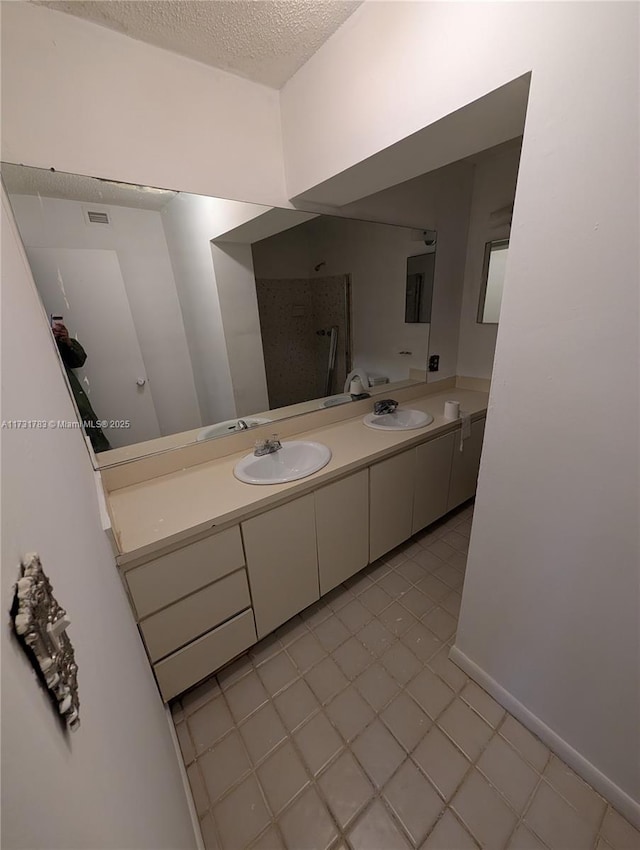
<point x="304" y="322"/>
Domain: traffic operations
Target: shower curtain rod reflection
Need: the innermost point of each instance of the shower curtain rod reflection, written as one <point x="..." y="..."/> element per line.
<point x="331" y="365"/>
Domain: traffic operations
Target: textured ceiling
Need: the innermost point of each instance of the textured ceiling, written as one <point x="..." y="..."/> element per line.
<point x="263" y="40"/>
<point x="23" y="180"/>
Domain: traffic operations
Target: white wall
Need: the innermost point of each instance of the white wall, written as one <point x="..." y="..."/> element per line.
<point x="188" y="222"/>
<point x="114" y="783"/>
<point x="285" y="254"/>
<point x="550" y="606"/>
<point x="89" y="100"/>
<point x="494" y="187"/>
<point x="138" y="238"/>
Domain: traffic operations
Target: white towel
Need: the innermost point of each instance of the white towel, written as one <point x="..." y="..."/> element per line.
<point x="465" y="430"/>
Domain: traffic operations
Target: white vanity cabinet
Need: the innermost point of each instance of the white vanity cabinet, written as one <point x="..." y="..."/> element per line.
<point x="433" y="471"/>
<point x="392" y="485"/>
<point x="302" y="550"/>
<point x="282" y="562"/>
<point x="204" y="603"/>
<point x="415" y="488"/>
<point x="342" y="526"/>
<point x="193" y="608"/>
<point x="465" y="465"/>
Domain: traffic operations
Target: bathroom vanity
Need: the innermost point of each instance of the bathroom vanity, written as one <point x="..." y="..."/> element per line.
<point x="211" y="565"/>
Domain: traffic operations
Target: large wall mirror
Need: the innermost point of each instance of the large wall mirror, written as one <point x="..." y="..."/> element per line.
<point x="182" y="317"/>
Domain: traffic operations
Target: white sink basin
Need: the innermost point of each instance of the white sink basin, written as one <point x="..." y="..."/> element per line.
<point x="401" y="419"/>
<point x="230" y="426"/>
<point x="334" y="400"/>
<point x="296" y="459"/>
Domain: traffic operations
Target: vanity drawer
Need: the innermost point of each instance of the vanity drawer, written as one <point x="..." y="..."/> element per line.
<point x="170" y="577"/>
<point x="205" y="655"/>
<point x="189" y="618"/>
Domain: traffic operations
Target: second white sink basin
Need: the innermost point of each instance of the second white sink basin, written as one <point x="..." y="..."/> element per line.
<point x="335" y="400"/>
<point x="401" y="419"/>
<point x="296" y="459"/>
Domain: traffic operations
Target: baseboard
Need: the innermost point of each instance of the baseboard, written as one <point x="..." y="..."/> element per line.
<point x="619" y="799"/>
<point x="195" y="821"/>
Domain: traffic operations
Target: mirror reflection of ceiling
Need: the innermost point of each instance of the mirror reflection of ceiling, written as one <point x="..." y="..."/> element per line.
<point x="266" y="41"/>
<point x="74" y="187"/>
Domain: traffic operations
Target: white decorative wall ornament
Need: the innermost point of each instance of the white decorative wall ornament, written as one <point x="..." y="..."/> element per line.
<point x="41" y="624"/>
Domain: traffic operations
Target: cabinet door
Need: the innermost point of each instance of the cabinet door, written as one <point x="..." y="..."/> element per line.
<point x="433" y="469"/>
<point x="391" y="502"/>
<point x="282" y="562"/>
<point x="342" y="524"/>
<point x="465" y="465"/>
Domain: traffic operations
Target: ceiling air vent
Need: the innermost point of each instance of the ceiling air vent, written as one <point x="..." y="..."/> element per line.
<point x="97" y="217"/>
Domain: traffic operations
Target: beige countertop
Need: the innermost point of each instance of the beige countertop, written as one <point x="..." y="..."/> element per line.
<point x="152" y="515"/>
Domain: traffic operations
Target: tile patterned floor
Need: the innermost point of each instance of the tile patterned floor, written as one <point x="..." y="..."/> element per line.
<point x="350" y="728"/>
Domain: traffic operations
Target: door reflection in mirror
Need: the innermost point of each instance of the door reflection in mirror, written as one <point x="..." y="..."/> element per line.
<point x="493" y="271"/>
<point x="420" y="271"/>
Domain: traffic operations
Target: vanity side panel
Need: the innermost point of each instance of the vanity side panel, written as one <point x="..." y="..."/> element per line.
<point x="433" y="471"/>
<point x="282" y="562"/>
<point x="392" y="484"/>
<point x="465" y="465"/>
<point x="342" y="524"/>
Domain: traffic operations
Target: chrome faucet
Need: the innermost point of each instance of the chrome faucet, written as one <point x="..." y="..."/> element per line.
<point x="241" y="425"/>
<point x="267" y="447"/>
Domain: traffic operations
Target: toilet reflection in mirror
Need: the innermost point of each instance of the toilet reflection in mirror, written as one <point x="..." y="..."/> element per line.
<point x="202" y="317"/>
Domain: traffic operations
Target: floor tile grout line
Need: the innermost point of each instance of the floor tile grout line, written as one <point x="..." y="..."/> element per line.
<point x="520" y="821"/>
<point x="549" y="784"/>
<point x="520" y="816"/>
<point x="469" y="771"/>
<point x="548" y="781"/>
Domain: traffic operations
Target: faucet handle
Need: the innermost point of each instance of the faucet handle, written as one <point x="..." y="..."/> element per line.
<point x="275" y="440"/>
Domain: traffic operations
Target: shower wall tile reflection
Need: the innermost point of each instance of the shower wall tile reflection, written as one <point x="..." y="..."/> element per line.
<point x="292" y="311"/>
